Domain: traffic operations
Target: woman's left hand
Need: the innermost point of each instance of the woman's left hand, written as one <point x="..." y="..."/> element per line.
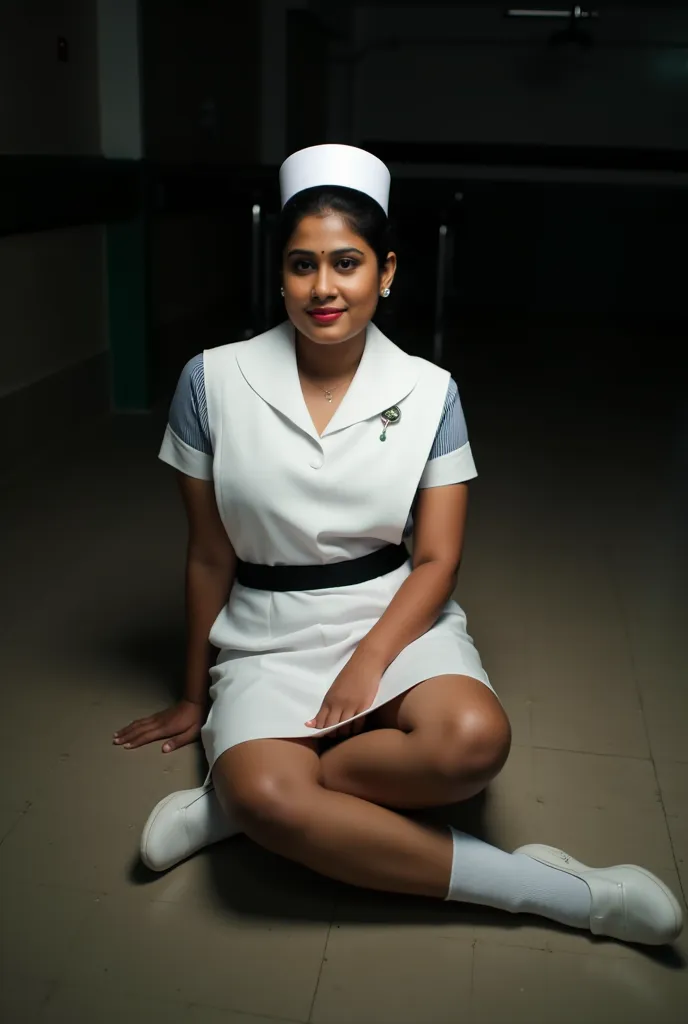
<point x="352" y="692"/>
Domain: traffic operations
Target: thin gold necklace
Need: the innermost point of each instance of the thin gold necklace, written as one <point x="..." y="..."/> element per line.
<point x="328" y="392"/>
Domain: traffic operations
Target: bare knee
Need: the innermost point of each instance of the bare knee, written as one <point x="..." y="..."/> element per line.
<point x="267" y="782"/>
<point x="270" y="798"/>
<point x="471" y="746"/>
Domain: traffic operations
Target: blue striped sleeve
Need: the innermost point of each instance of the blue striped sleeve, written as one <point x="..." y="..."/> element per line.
<point x="188" y="416"/>
<point x="451" y="433"/>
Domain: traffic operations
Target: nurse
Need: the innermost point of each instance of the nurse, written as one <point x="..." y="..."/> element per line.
<point x="346" y="688"/>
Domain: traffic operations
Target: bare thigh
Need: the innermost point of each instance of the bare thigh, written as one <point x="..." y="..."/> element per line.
<point x="459" y="722"/>
<point x="445" y="704"/>
<point x="440" y="742"/>
<point x="273" y="788"/>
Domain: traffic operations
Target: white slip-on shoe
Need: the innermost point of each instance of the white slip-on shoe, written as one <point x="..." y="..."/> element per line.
<point x="181" y="824"/>
<point x="628" y="902"/>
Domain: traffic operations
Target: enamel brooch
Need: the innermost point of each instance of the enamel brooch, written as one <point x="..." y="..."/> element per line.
<point x="389" y="417"/>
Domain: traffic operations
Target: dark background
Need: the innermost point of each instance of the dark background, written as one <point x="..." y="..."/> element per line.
<point x="139" y="149"/>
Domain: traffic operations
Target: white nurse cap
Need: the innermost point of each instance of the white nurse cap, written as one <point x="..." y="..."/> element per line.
<point x="335" y="165"/>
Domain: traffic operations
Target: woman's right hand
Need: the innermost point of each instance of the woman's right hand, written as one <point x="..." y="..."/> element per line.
<point x="178" y="725"/>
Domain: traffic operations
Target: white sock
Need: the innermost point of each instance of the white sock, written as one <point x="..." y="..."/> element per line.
<point x="208" y="815"/>
<point x="516" y="883"/>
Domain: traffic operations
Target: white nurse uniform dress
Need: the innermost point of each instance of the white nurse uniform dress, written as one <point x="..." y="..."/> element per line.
<point x="288" y="496"/>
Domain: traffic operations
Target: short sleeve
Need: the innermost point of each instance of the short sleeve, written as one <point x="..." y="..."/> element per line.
<point x="186" y="445"/>
<point x="450" y="460"/>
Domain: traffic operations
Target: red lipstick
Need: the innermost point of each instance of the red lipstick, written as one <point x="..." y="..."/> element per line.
<point x="326" y="314"/>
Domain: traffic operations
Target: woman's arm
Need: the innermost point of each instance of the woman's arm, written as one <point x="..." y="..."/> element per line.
<point x="439" y="523"/>
<point x="440" y="517"/>
<point x="210" y="568"/>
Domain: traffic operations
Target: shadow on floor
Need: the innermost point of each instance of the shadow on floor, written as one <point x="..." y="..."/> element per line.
<point x="260" y="886"/>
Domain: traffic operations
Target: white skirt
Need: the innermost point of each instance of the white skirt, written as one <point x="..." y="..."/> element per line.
<point x="281" y="652"/>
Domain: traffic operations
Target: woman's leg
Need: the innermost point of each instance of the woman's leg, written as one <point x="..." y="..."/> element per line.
<point x="272" y="787"/>
<point x="455" y="738"/>
<point x="439" y="743"/>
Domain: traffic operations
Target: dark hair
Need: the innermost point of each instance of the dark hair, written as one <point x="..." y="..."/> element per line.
<point x="361" y="213"/>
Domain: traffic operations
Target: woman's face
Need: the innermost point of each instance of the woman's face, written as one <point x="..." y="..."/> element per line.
<point x="331" y="279"/>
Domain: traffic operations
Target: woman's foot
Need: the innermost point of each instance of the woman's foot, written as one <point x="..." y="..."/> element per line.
<point x="181" y="824"/>
<point x="627" y="902"/>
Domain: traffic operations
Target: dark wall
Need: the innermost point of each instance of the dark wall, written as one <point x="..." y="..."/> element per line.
<point x="201" y="81"/>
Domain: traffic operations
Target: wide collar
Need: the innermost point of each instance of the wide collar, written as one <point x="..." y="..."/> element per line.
<point x="384" y="377"/>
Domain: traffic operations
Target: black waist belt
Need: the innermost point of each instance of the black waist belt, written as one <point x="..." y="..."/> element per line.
<point x="322" y="577"/>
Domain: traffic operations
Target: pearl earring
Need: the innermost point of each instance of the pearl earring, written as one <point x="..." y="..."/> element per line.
<point x="282" y="292"/>
<point x="386" y="293"/>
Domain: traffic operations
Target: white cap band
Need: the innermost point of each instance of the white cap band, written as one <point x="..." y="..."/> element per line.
<point x="335" y="165"/>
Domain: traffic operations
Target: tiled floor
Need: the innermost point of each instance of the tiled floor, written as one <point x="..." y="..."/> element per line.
<point x="576" y="586"/>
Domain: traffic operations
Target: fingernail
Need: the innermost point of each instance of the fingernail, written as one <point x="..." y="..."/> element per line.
<point x="127" y="746"/>
<point x="166" y="749"/>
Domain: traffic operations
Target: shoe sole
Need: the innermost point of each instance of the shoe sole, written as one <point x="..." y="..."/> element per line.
<point x="675" y="905"/>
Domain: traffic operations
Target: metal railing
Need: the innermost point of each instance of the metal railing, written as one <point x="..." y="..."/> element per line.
<point x="446" y="274"/>
<point x="256" y="267"/>
<point x="264" y="284"/>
